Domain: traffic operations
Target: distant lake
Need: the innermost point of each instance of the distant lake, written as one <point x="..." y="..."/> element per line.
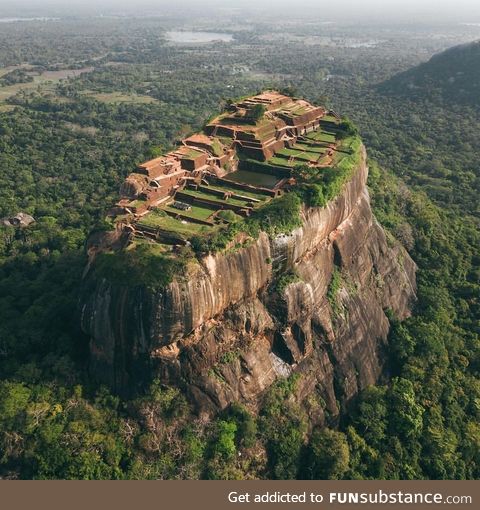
<point x="198" y="37"/>
<point x="15" y="20"/>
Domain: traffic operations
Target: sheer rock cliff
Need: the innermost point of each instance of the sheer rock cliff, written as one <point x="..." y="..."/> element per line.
<point x="226" y="331"/>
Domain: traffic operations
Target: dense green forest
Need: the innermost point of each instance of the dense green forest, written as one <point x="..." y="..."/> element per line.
<point x="64" y="149"/>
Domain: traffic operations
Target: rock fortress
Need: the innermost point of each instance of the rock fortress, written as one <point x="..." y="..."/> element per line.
<point x="246" y="255"/>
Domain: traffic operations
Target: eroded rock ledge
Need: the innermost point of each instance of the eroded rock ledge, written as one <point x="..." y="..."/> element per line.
<point x="229" y="330"/>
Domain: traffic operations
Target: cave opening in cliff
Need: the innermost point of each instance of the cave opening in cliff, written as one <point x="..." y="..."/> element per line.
<point x="280" y="349"/>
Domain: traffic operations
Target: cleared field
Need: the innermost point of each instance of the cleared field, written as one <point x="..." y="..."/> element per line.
<point x="6" y="70"/>
<point x="119" y="97"/>
<point x="6" y="107"/>
<point x="63" y="74"/>
<point x="45" y="81"/>
<point x="12" y="90"/>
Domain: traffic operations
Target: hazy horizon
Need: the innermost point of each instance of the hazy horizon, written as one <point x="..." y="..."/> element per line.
<point x="393" y="11"/>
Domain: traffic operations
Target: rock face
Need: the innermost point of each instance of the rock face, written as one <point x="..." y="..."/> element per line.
<point x="19" y="220"/>
<point x="312" y="302"/>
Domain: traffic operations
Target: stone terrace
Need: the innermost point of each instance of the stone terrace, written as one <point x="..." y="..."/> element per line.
<point x="243" y="159"/>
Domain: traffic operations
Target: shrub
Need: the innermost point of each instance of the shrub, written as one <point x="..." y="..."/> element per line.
<point x="280" y="216"/>
<point x="305" y="173"/>
<point x="333" y="288"/>
<point x="225" y="444"/>
<point x="285" y="280"/>
<point x="229" y="216"/>
<point x="312" y="195"/>
<point x="143" y="265"/>
<point x="347" y="128"/>
<point x="216" y="241"/>
<point x="246" y="425"/>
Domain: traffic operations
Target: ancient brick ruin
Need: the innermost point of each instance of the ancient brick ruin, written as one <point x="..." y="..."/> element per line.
<point x="244" y="157"/>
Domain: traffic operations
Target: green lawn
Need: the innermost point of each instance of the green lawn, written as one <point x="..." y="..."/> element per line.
<point x="302" y="155"/>
<point x="281" y="161"/>
<point x="308" y="156"/>
<point x="217" y="147"/>
<point x="288" y="152"/>
<point x="137" y="203"/>
<point x="322" y="136"/>
<point x="303" y="152"/>
<point x="197" y="212"/>
<point x="193" y="153"/>
<point x="165" y="222"/>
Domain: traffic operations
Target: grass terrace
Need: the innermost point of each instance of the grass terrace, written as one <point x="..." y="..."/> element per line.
<point x="223" y="187"/>
<point x="196" y="212"/>
<point x="322" y="136"/>
<point x="137" y="203"/>
<point x="330" y="119"/>
<point x="217" y="148"/>
<point x="310" y="148"/>
<point x="294" y="110"/>
<point x="282" y="161"/>
<point x="192" y="153"/>
<point x="157" y="219"/>
<point x="202" y="193"/>
<point x="299" y="154"/>
<point x="311" y="157"/>
<point x="232" y="120"/>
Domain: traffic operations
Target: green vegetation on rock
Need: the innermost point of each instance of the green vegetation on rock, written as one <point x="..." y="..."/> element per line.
<point x="142" y="265"/>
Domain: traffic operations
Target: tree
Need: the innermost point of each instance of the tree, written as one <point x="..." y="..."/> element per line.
<point x="347" y="128"/>
<point x="328" y="455"/>
<point x="406" y="414"/>
<point x="371" y="417"/>
<point x="225" y="443"/>
<point x="256" y="113"/>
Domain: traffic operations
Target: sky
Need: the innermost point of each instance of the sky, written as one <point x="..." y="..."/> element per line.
<point x="388" y="10"/>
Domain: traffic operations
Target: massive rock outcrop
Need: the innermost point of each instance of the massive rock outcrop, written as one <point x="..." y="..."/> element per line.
<point x="312" y="302"/>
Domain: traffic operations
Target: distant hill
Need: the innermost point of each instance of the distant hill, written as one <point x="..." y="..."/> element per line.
<point x="450" y="76"/>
